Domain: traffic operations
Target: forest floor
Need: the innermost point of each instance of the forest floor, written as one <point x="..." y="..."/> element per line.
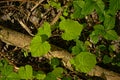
<point x="25" y="17"/>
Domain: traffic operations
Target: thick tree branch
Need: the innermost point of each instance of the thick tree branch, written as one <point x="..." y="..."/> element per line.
<point x="15" y="38"/>
<point x="23" y="41"/>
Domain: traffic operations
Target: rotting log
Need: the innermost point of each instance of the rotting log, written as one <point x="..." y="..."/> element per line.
<point x="23" y="41"/>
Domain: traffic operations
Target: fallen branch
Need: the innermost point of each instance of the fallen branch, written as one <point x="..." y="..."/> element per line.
<point x="23" y="41"/>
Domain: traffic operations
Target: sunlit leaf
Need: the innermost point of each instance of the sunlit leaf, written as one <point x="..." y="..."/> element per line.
<point x="40" y="76"/>
<point x="58" y="71"/>
<point x="54" y="4"/>
<point x="26" y="72"/>
<point x="45" y="29"/>
<point x="84" y="62"/>
<point x="39" y="46"/>
<point x="72" y="29"/>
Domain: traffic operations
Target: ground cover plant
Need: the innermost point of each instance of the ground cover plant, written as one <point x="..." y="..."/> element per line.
<point x="59" y="40"/>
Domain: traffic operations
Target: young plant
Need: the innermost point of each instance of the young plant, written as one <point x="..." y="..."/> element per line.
<point x="7" y="71"/>
<point x="39" y="45"/>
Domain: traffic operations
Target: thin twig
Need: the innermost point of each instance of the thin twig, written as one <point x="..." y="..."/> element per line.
<point x="56" y="17"/>
<point x="25" y="27"/>
<point x="32" y="9"/>
<point x="37" y="4"/>
<point x="17" y="0"/>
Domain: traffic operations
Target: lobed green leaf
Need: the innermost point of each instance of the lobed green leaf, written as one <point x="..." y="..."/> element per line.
<point x="84" y="61"/>
<point x="39" y="46"/>
<point x="26" y="72"/>
<point x="72" y="29"/>
<point x="45" y="29"/>
<point x="79" y="47"/>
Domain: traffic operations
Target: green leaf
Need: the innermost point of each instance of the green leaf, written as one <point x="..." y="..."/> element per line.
<point x="67" y="78"/>
<point x="8" y="73"/>
<point x="102" y="47"/>
<point x="55" y="62"/>
<point x="78" y="5"/>
<point x="56" y="73"/>
<point x="109" y="22"/>
<point x="50" y="76"/>
<point x="94" y="36"/>
<point x="99" y="27"/>
<point x="106" y="59"/>
<point x="99" y="31"/>
<point x="65" y="12"/>
<point x="78" y="48"/>
<point x="114" y="6"/>
<point x="40" y="75"/>
<point x="45" y="29"/>
<point x="112" y="47"/>
<point x="13" y="76"/>
<point x="99" y="6"/>
<point x="55" y="4"/>
<point x="72" y="29"/>
<point x="111" y="35"/>
<point x="118" y="64"/>
<point x="84" y="62"/>
<point x="88" y="8"/>
<point x="38" y="47"/>
<point x="26" y="72"/>
<point x="7" y="70"/>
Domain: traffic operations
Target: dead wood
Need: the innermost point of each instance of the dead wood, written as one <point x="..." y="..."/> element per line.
<point x="15" y="38"/>
<point x="23" y="41"/>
